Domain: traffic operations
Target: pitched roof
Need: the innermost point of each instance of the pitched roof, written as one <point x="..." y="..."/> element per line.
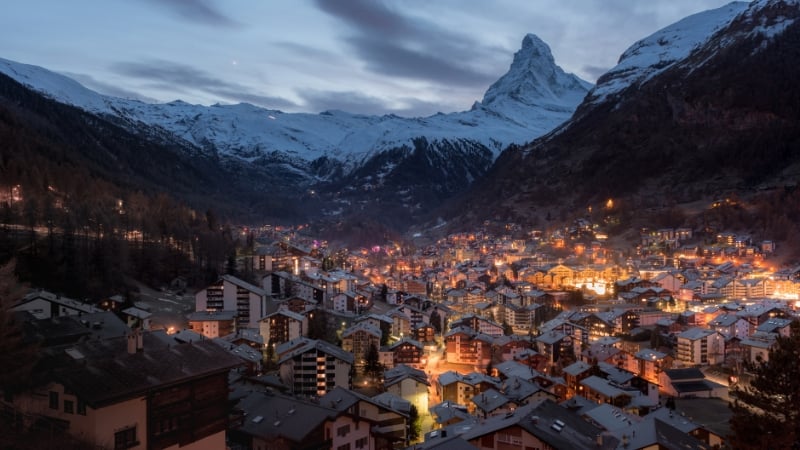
<point x="271" y="416"/>
<point x="314" y="344"/>
<point x="102" y="372"/>
<point x="489" y="400"/>
<point x="245" y="285"/>
<point x="401" y="372"/>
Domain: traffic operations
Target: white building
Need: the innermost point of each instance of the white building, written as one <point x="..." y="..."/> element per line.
<point x="232" y="294"/>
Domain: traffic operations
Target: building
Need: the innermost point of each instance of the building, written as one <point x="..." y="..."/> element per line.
<point x="457" y="388"/>
<point x="232" y="294"/>
<point x="313" y="367"/>
<point x="135" y="392"/>
<point x="213" y="324"/>
<point x="359" y="339"/>
<point x="700" y="346"/>
<point x="407" y="351"/>
<point x="464" y="346"/>
<point x="409" y="384"/>
<point x="268" y="420"/>
<point x="283" y="326"/>
<point x="44" y="305"/>
<point x="387" y="416"/>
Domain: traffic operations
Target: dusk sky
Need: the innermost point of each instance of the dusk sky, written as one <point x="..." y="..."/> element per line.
<point x="407" y="57"/>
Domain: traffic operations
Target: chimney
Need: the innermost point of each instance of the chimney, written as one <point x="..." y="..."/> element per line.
<point x="132" y="342"/>
<point x="139" y="340"/>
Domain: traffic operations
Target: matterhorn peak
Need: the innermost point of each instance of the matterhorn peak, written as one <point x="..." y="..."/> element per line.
<point x="534" y="79"/>
<point x="533" y="48"/>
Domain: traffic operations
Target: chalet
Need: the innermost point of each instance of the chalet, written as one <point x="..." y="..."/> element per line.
<point x="464" y="345"/>
<point x="408" y="383"/>
<point x="426" y="334"/>
<point x="135" y="391"/>
<point x="387" y="419"/>
<point x="508" y="347"/>
<point x="730" y="325"/>
<point x="545" y="425"/>
<point x="43" y="305"/>
<point x="522" y="391"/>
<point x="283" y="325"/>
<point x="449" y="413"/>
<point x="491" y="403"/>
<point x="281" y="422"/>
<point x="455" y="387"/>
<point x="601" y="390"/>
<point x="408" y="352"/>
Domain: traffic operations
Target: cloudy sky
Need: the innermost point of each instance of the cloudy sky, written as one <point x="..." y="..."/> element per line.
<point x="407" y="57"/>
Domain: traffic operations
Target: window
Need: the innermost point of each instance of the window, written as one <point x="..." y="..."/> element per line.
<point x="361" y="442"/>
<point x="343" y="447"/>
<point x="53" y="400"/>
<point x="125" y="438"/>
<point x="81" y="407"/>
<point x="342" y="431"/>
<point x="69" y="407"/>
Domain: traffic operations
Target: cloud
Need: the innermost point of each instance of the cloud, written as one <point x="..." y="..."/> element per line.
<point x="359" y="103"/>
<point x="393" y="44"/>
<point x="108" y="88"/>
<point x="594" y="71"/>
<point x="177" y="77"/>
<point x="200" y="11"/>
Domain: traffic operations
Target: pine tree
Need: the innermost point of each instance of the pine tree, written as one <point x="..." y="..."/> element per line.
<point x="766" y="414"/>
<point x="415" y="424"/>
<point x="372" y="365"/>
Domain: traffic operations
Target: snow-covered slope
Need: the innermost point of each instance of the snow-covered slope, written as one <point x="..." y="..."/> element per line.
<point x="531" y="99"/>
<point x="661" y="50"/>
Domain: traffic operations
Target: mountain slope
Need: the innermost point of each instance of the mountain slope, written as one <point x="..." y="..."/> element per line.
<point x="348" y="161"/>
<point x="547" y="95"/>
<point x="722" y="119"/>
<point x="52" y="150"/>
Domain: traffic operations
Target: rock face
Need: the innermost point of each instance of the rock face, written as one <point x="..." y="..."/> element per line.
<point x="677" y="120"/>
<point x="348" y="159"/>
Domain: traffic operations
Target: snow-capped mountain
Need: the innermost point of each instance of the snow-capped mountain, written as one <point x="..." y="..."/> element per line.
<point x="413" y="163"/>
<point x="661" y="50"/>
<point x="702" y="108"/>
<point x="531" y="99"/>
<point x="534" y="82"/>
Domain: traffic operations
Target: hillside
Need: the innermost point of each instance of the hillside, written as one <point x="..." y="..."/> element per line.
<point x="722" y="119"/>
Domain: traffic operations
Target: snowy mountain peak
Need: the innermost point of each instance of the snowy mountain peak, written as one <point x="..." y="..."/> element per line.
<point x="661" y="50"/>
<point x="533" y="47"/>
<point x="534" y="79"/>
